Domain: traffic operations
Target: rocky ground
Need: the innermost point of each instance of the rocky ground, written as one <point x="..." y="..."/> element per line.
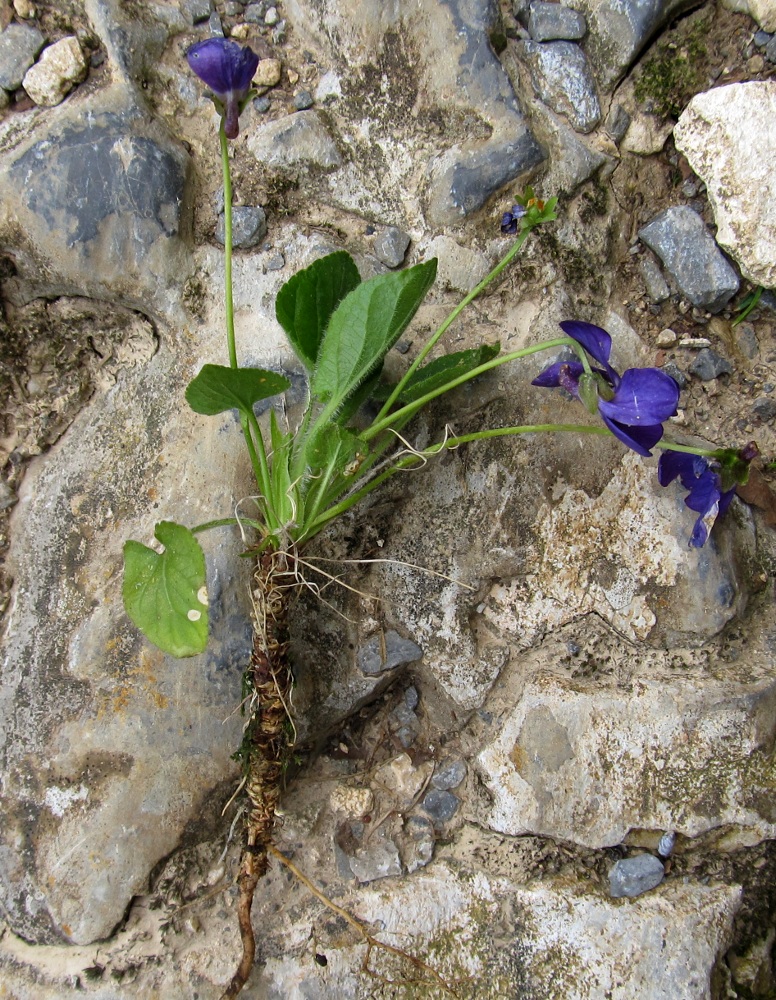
<point x="476" y="754"/>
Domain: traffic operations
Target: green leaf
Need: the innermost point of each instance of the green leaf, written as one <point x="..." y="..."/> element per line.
<point x="334" y="448"/>
<point x="305" y="303"/>
<point x="165" y="593"/>
<point x="284" y="498"/>
<point x="442" y="371"/>
<point x="218" y="388"/>
<point x="364" y="327"/>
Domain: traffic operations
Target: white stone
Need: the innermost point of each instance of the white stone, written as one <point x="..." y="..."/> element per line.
<point x="589" y="764"/>
<point x="646" y="135"/>
<point x="268" y="73"/>
<point x="60" y="67"/>
<point x="728" y="138"/>
<point x="762" y="11"/>
<point x="459" y="268"/>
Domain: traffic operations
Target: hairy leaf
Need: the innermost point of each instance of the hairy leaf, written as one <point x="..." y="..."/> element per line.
<point x="218" y="388"/>
<point x="441" y="372"/>
<point x="364" y="327"/>
<point x="164" y="592"/>
<point x="305" y="303"/>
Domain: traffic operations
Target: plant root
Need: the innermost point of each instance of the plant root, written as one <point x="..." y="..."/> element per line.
<point x="371" y="941"/>
<point x="267" y="688"/>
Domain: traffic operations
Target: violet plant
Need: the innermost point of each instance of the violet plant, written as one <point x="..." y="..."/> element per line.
<point x="341" y="329"/>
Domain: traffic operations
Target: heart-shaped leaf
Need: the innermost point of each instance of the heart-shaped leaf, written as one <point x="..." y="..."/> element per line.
<point x="305" y="303"/>
<point x="218" y="388"/>
<point x="165" y="593"/>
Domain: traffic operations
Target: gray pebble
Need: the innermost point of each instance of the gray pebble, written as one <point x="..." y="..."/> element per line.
<point x="562" y="78"/>
<point x="249" y="226"/>
<point x="709" y="365"/>
<point x="262" y="104"/>
<point x="672" y="368"/>
<point x="232" y="8"/>
<point x="654" y="282"/>
<point x="449" y="775"/>
<point x="441" y="805"/>
<point x="768" y="386"/>
<point x="19" y="45"/>
<point x="7" y="496"/>
<point x="411" y="697"/>
<point x="764" y="408"/>
<point x="746" y="340"/>
<point x="303" y="100"/>
<point x="402" y="346"/>
<point x="550" y="21"/>
<point x="374" y="658"/>
<point x="279" y="33"/>
<point x="391" y="246"/>
<point x="272" y="17"/>
<point x="404" y="716"/>
<point x="420" y="849"/>
<point x="665" y="847"/>
<point x="254" y="13"/>
<point x="617" y="122"/>
<point x="214" y="26"/>
<point x="632" y="876"/>
<point x="761" y="39"/>
<point x="770" y="50"/>
<point x="406" y="736"/>
<point x="196" y="10"/>
<point x="276" y="262"/>
<point x="379" y="858"/>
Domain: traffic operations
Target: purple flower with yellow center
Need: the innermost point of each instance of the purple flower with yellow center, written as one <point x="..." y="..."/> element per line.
<point x="228" y="70"/>
<point x="705" y="495"/>
<point x="632" y="405"/>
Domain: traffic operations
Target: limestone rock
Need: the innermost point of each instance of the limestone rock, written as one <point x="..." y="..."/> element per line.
<point x="102" y="196"/>
<point x="588" y="763"/>
<point x="715" y="134"/>
<point x="549" y="22"/>
<point x="459" y="267"/>
<point x="60" y="67"/>
<point x="619" y="30"/>
<point x="690" y="254"/>
<point x="762" y="11"/>
<point x="295" y="143"/>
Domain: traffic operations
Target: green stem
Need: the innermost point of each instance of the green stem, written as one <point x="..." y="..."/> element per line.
<point x="688" y="449"/>
<point x="407" y="460"/>
<point x="504" y="262"/>
<point x="411" y="408"/>
<point x="228" y="301"/>
<point x="227" y="522"/>
<point x="752" y="301"/>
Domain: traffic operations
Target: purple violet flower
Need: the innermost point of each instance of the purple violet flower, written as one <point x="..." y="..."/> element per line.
<point x="632" y="405"/>
<point x="228" y="70"/>
<point x="705" y="495"/>
<point x="510" y="219"/>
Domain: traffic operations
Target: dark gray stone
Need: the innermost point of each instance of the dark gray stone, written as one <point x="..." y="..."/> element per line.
<point x="411" y="697"/>
<point x="441" y="805"/>
<point x="391" y="246"/>
<point x="617" y="122"/>
<point x="770" y="50"/>
<point x="633" y="876"/>
<point x="449" y="775"/>
<point x="98" y="196"/>
<point x="619" y="30"/>
<point x="552" y="21"/>
<point x="214" y="27"/>
<point x="19" y="45"/>
<point x="196" y="10"/>
<point x="303" y="100"/>
<point x="276" y="262"/>
<point x="761" y="39"/>
<point x="672" y="368"/>
<point x="690" y="254"/>
<point x="385" y="652"/>
<point x="249" y="226"/>
<point x="562" y="79"/>
<point x="465" y="185"/>
<point x="764" y="408"/>
<point x="709" y="365"/>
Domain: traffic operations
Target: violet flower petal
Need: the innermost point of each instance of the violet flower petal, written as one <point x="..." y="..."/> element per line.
<point x="641" y="438"/>
<point x="228" y="70"/>
<point x="595" y="340"/>
<point x="550" y="378"/>
<point x="643" y="396"/>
